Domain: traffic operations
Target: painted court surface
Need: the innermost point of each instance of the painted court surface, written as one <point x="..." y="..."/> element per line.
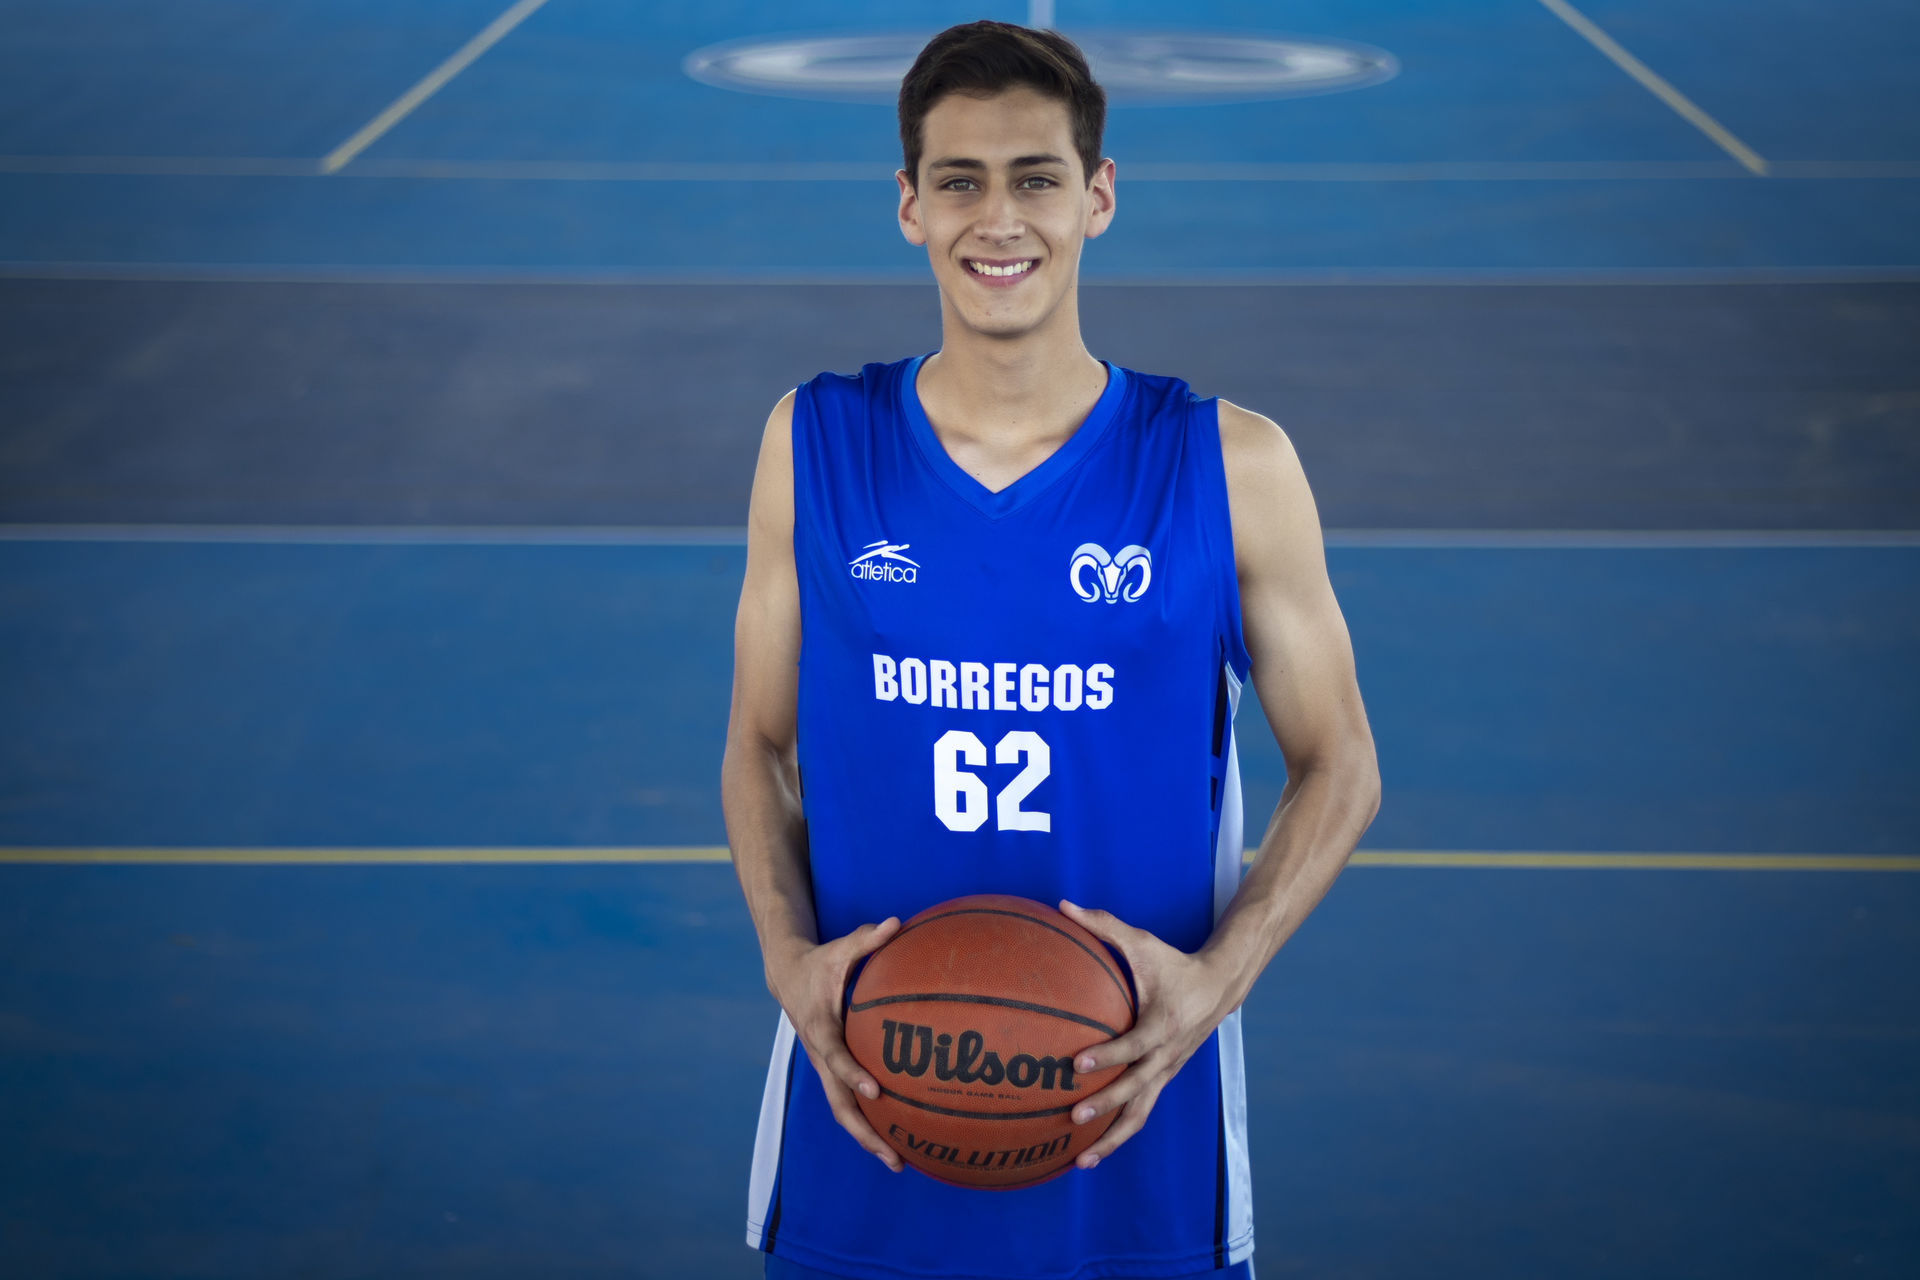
<point x="378" y="395"/>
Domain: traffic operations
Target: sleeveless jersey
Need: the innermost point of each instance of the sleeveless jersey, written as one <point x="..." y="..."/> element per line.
<point x="1028" y="691"/>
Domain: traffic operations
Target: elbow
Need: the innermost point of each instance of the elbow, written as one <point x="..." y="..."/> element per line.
<point x="1349" y="778"/>
<point x="753" y="760"/>
<point x="1365" y="774"/>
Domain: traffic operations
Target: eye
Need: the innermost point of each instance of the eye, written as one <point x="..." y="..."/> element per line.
<point x="1039" y="178"/>
<point x="948" y="185"/>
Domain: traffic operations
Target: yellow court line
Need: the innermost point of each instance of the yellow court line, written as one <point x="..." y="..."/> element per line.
<point x="716" y="853"/>
<point x="495" y="31"/>
<point x="1659" y="88"/>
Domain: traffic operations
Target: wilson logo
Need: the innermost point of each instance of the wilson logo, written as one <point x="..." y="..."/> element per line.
<point x="1010" y="1158"/>
<point x="882" y="562"/>
<point x="907" y="1049"/>
<point x="1095" y="575"/>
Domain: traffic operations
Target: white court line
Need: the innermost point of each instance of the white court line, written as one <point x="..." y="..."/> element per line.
<point x="1129" y="171"/>
<point x="726" y="536"/>
<point x="1658" y="87"/>
<point x="164" y="166"/>
<point x="402" y="106"/>
<point x="873" y="173"/>
<point x="1619" y="539"/>
<point x="1335" y="277"/>
<point x="881" y="171"/>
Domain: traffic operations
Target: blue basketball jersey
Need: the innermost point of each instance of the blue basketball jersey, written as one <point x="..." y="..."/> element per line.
<point x="1028" y="691"/>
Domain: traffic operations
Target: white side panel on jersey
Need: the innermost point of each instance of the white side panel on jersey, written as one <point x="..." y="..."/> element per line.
<point x="766" y="1143"/>
<point x="1233" y="1065"/>
<point x="1233" y="1097"/>
<point x="1227" y="850"/>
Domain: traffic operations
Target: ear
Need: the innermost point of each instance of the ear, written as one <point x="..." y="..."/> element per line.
<point x="909" y="209"/>
<point x="1100" y="190"/>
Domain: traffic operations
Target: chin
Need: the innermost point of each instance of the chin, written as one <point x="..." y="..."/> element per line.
<point x="1004" y="323"/>
<point x="1002" y="326"/>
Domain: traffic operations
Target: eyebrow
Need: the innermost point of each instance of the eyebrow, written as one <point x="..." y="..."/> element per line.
<point x="1018" y="162"/>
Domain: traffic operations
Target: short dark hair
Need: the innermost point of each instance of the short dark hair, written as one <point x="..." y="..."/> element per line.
<point x="981" y="59"/>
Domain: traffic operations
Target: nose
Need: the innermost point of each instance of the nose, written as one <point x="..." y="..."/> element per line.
<point x="1000" y="219"/>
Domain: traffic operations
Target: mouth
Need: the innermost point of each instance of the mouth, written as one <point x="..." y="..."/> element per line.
<point x="1000" y="273"/>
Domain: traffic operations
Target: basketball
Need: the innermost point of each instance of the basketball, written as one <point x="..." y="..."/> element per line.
<point x="970" y="1019"/>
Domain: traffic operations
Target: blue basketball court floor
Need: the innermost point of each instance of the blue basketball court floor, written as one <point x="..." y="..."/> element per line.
<point x="379" y="386"/>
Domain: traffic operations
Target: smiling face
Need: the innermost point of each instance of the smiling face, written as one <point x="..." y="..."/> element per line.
<point x="1003" y="208"/>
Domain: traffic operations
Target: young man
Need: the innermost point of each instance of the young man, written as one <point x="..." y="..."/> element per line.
<point x="999" y="603"/>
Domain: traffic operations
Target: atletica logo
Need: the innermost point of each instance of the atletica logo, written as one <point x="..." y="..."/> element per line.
<point x="907" y="1049"/>
<point x="882" y="562"/>
<point x="1095" y="575"/>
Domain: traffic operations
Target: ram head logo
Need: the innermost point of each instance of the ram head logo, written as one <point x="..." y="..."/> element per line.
<point x="1098" y="576"/>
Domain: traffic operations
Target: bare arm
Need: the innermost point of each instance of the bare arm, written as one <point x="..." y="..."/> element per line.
<point x="1304" y="673"/>
<point x="759" y="776"/>
<point x="760" y="795"/>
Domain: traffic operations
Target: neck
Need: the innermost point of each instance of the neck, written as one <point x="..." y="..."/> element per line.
<point x="990" y="385"/>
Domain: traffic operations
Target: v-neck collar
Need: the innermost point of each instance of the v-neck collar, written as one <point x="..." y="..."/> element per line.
<point x="1017" y="494"/>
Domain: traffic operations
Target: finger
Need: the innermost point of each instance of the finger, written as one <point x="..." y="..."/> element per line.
<point x="831" y="1053"/>
<point x="1124" y="1126"/>
<point x="847" y="1111"/>
<point x="1120" y="1051"/>
<point x="1129" y="1086"/>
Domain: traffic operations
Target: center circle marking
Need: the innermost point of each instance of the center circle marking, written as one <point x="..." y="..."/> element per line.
<point x="1138" y="67"/>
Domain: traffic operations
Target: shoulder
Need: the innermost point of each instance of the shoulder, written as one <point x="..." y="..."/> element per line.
<point x="872" y="376"/>
<point x="818" y="404"/>
<point x="1253" y="448"/>
<point x="1275" y="521"/>
<point x="770" y="508"/>
<point x="778" y="436"/>
<point x="830" y="398"/>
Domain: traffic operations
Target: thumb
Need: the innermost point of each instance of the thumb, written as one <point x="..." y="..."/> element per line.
<point x="1120" y="937"/>
<point x="866" y="940"/>
<point x="869" y="938"/>
<point x="853" y="949"/>
<point x="1103" y="925"/>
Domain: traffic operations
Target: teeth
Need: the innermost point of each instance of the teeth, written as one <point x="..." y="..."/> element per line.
<point x="1017" y="268"/>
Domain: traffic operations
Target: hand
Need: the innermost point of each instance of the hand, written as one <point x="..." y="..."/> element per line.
<point x="810" y="985"/>
<point x="1181" y="1002"/>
